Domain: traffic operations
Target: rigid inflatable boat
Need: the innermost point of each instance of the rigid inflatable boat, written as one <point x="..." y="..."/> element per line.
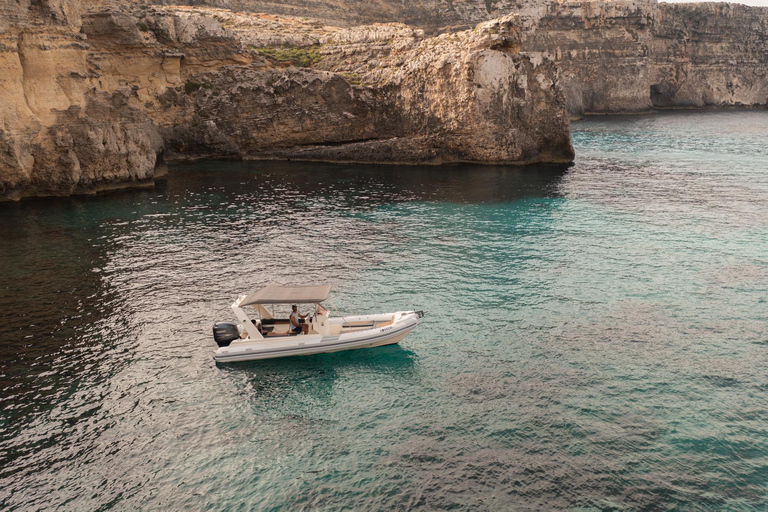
<point x="262" y="336"/>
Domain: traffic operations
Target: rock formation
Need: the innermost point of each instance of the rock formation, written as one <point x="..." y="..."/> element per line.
<point x="637" y="55"/>
<point x="98" y="94"/>
<point x="618" y="56"/>
<point x="709" y="54"/>
<point x="57" y="135"/>
<point x="385" y="94"/>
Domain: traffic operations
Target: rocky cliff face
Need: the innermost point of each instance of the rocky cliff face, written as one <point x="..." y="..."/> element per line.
<point x="603" y="50"/>
<point x="56" y="134"/>
<point x="709" y="54"/>
<point x="385" y="94"/>
<point x="615" y="55"/>
<point x="98" y="94"/>
<point x="636" y="55"/>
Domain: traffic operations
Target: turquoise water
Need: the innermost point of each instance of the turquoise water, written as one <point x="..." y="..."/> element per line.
<point x="595" y="336"/>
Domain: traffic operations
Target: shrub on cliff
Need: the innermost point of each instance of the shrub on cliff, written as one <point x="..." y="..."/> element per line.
<point x="302" y="57"/>
<point x="191" y="87"/>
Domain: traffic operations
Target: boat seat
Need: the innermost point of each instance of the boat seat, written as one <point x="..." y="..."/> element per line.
<point x="273" y="321"/>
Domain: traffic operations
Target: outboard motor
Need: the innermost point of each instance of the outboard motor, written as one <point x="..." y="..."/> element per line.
<point x="225" y="333"/>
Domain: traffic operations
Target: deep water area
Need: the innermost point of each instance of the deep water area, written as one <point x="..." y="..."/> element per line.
<point x="595" y="336"/>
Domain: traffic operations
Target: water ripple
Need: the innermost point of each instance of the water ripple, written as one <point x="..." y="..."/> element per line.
<point x="595" y="335"/>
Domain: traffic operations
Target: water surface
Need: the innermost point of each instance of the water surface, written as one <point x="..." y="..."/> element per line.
<point x="595" y="336"/>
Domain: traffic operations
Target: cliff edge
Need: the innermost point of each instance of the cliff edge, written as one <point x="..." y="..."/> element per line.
<point x="626" y="56"/>
<point x="616" y="56"/>
<point x="99" y="94"/>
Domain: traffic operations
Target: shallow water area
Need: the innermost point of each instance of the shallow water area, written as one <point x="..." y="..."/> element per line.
<point x="595" y="335"/>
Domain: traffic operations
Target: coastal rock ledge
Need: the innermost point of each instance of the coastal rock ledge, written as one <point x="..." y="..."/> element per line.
<point x="97" y="94"/>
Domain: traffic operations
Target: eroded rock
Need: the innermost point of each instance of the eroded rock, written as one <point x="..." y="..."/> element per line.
<point x="94" y="102"/>
<point x="629" y="56"/>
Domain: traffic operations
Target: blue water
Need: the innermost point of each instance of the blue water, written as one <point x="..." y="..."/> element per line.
<point x="595" y="337"/>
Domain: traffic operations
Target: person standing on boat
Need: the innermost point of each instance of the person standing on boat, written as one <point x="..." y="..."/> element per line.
<point x="296" y="326"/>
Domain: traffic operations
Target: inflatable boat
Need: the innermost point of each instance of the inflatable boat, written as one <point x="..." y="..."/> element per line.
<point x="261" y="335"/>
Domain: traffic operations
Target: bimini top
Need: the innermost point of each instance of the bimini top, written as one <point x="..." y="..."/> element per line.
<point x="288" y="295"/>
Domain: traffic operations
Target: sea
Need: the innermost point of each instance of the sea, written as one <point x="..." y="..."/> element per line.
<point x="595" y="335"/>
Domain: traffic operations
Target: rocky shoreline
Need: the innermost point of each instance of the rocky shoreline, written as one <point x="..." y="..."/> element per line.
<point x="106" y="92"/>
<point x="100" y="94"/>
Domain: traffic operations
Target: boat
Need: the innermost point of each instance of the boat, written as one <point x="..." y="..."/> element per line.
<point x="262" y="336"/>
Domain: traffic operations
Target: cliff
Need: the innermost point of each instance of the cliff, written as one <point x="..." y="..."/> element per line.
<point x="384" y="93"/>
<point x="57" y="135"/>
<point x="709" y="54"/>
<point x="616" y="56"/>
<point x="637" y="55"/>
<point x="99" y="94"/>
<point x="96" y="94"/>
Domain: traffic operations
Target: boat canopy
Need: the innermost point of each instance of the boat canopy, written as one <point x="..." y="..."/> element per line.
<point x="288" y="295"/>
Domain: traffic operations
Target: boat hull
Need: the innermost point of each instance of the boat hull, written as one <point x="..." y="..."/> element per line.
<point x="309" y="345"/>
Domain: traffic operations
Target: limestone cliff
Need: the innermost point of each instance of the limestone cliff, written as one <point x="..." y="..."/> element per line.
<point x="602" y="48"/>
<point x="709" y="54"/>
<point x="385" y="94"/>
<point x="636" y="55"/>
<point x="56" y="134"/>
<point x="98" y="94"/>
<point x="615" y="55"/>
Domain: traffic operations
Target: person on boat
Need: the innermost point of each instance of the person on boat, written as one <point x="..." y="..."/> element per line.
<point x="296" y="326"/>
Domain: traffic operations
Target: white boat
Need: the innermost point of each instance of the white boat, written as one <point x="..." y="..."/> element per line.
<point x="262" y="336"/>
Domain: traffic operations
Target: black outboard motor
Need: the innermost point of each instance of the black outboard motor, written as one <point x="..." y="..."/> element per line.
<point x="225" y="333"/>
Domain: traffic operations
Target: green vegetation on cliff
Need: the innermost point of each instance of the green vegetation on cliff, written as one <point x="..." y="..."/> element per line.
<point x="302" y="57"/>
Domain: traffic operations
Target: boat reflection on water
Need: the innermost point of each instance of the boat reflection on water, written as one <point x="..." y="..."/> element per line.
<point x="316" y="377"/>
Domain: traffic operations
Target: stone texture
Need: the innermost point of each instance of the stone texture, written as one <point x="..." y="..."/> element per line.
<point x="96" y="95"/>
<point x="616" y="56"/>
<point x="464" y="97"/>
<point x="709" y="54"/>
<point x="55" y="136"/>
<point x="431" y="15"/>
<point x="636" y="55"/>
